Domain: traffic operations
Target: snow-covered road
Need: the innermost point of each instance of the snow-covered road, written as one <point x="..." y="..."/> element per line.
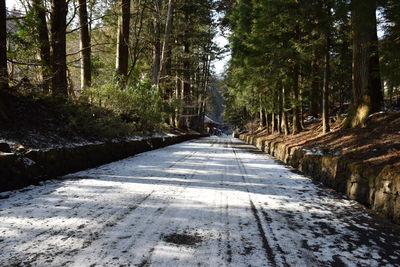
<point x="208" y="202"/>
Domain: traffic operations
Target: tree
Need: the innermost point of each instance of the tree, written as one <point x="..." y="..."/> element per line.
<point x="122" y="55"/>
<point x="390" y="47"/>
<point x="85" y="46"/>
<point x="3" y="46"/>
<point x="327" y="70"/>
<point x="58" y="45"/>
<point x="367" y="90"/>
<point x="156" y="42"/>
<point x="166" y="45"/>
<point x="3" y="55"/>
<point x="42" y="36"/>
<point x="296" y="102"/>
<point x="290" y="45"/>
<point x="186" y="85"/>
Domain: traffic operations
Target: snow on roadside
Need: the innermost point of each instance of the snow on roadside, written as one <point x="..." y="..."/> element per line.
<point x="240" y="207"/>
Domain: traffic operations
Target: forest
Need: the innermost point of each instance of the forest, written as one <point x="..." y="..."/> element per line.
<point x="120" y="67"/>
<point x="123" y="141"/>
<point x="112" y="68"/>
<point x="317" y="58"/>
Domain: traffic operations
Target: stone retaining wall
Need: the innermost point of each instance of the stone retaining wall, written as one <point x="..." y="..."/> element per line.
<point x="20" y="170"/>
<point x="378" y="189"/>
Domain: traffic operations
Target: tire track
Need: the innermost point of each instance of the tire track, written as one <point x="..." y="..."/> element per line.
<point x="271" y="254"/>
<point x="105" y="219"/>
<point x="146" y="261"/>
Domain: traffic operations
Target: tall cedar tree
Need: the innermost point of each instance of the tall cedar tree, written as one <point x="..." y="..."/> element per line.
<point x="3" y="46"/>
<point x="122" y="55"/>
<point x="327" y="70"/>
<point x="58" y="45"/>
<point x="157" y="14"/>
<point x="166" y="45"/>
<point x="3" y="55"/>
<point x="367" y="89"/>
<point x="85" y="47"/>
<point x="42" y="36"/>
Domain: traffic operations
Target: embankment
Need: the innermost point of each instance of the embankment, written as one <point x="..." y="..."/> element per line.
<point x="376" y="188"/>
<point x="21" y="169"/>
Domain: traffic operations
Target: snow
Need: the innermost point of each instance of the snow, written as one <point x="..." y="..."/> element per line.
<point x="247" y="210"/>
<point x="312" y="119"/>
<point x="28" y="162"/>
<point x="376" y="114"/>
<point x="10" y="142"/>
<point x="314" y="151"/>
<point x="43" y="143"/>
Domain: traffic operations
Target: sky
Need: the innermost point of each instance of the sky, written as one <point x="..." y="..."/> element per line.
<point x="11" y="3"/>
<point x="220" y="64"/>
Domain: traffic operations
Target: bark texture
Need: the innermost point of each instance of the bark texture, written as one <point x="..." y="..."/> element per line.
<point x="122" y="56"/>
<point x="44" y="43"/>
<point x="58" y="45"/>
<point x="366" y="89"/>
<point x="156" y="43"/>
<point x="3" y="46"/>
<point x="296" y="110"/>
<point x="85" y="46"/>
<point x="327" y="74"/>
<point x="166" y="46"/>
<point x="315" y="88"/>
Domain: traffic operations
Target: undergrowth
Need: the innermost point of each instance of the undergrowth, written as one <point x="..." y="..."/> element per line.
<point x="106" y="111"/>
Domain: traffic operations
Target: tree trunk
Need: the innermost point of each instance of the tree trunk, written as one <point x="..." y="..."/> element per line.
<point x="262" y="116"/>
<point x="178" y="97"/>
<point x="280" y="110"/>
<point x="325" y="91"/>
<point x="157" y="44"/>
<point x="203" y="92"/>
<point x="261" y="112"/>
<point x="85" y="47"/>
<point x="390" y="94"/>
<point x="367" y="89"/>
<point x="44" y="43"/>
<point x="275" y="107"/>
<point x="186" y="87"/>
<point x="284" y="120"/>
<point x="135" y="49"/>
<point x="186" y="84"/>
<point x="3" y="46"/>
<point x="166" y="46"/>
<point x="266" y="120"/>
<point x="296" y="111"/>
<point x="122" y="55"/>
<point x="3" y="56"/>
<point x="58" y="44"/>
<point x="315" y="90"/>
<point x="273" y="123"/>
<point x="301" y="110"/>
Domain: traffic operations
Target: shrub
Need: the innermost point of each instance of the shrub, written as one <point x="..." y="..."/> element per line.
<point x="137" y="102"/>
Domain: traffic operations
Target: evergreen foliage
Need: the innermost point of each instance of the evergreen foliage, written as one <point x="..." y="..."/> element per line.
<point x="286" y="53"/>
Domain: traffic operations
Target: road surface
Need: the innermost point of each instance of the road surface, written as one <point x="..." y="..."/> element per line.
<point x="208" y="202"/>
